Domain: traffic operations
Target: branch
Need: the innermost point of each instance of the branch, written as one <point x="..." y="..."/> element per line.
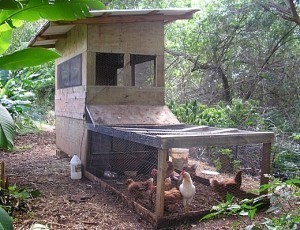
<point x="188" y="57"/>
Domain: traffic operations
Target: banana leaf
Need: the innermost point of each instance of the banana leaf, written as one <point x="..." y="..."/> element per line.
<point x="5" y="220"/>
<point x="27" y="57"/>
<point x="7" y="129"/>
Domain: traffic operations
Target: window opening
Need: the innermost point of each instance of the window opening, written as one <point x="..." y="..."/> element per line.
<point x="69" y="73"/>
<point x="109" y="69"/>
<point x="143" y="70"/>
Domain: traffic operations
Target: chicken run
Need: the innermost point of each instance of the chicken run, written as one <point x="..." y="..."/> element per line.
<point x="191" y="180"/>
<point x="110" y="110"/>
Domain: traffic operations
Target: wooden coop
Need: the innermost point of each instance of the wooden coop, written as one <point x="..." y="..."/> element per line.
<point x="110" y="110"/>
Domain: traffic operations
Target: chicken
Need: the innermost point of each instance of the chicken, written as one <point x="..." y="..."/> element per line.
<point x="191" y="169"/>
<point x="138" y="189"/>
<point x="172" y="198"/>
<point x="231" y="185"/>
<point x="170" y="173"/>
<point x="187" y="190"/>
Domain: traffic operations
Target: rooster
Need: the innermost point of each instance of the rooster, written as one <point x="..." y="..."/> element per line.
<point x="138" y="189"/>
<point x="187" y="190"/>
<point x="231" y="185"/>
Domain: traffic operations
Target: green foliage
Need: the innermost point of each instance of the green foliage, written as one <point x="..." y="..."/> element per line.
<point x="283" y="212"/>
<point x="12" y="15"/>
<point x="27" y="57"/>
<point x="286" y="156"/>
<point x="5" y="220"/>
<point x="237" y="114"/>
<point x="246" y="207"/>
<point x="243" y="114"/>
<point x="16" y="199"/>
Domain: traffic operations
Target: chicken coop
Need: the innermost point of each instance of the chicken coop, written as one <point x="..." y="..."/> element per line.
<point x="110" y="111"/>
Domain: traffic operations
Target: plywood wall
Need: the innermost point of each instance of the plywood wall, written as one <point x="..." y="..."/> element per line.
<point x="74" y="44"/>
<point x="134" y="38"/>
<point x="71" y="136"/>
<point x="70" y="102"/>
<point x="116" y="95"/>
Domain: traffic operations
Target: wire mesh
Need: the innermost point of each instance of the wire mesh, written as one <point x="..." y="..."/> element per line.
<point x="108" y="68"/>
<point x="69" y="73"/>
<point x="213" y="170"/>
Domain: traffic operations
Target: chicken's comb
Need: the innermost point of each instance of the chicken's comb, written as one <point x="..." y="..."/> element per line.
<point x="154" y="172"/>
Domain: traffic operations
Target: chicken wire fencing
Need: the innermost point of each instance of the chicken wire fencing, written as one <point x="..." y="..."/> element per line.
<point x="214" y="170"/>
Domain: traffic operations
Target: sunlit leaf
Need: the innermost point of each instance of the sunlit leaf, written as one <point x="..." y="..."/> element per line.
<point x="27" y="57"/>
<point x="5" y="40"/>
<point x="61" y="10"/>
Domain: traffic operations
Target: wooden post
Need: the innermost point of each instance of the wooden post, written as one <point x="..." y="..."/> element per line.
<point x="161" y="174"/>
<point x="2" y="178"/>
<point x="265" y="164"/>
<point x="159" y="74"/>
<point x="127" y="70"/>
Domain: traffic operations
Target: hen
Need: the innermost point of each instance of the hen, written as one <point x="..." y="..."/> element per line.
<point x="187" y="190"/>
<point x="171" y="198"/>
<point x="138" y="189"/>
<point x="191" y="169"/>
<point x="170" y="173"/>
<point x="231" y="185"/>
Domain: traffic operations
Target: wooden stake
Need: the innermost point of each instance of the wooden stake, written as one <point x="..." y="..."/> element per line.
<point x="265" y="165"/>
<point x="161" y="174"/>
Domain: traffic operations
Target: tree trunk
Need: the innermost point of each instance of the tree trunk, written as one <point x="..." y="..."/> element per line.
<point x="227" y="93"/>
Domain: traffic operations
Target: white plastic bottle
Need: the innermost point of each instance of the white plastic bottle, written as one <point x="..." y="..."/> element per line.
<point x="75" y="165"/>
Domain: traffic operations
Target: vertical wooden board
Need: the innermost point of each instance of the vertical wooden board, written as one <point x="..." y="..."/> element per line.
<point x="265" y="164"/>
<point x="135" y="38"/>
<point x="89" y="64"/>
<point x="161" y="174"/>
<point x="160" y="62"/>
<point x="70" y="136"/>
<point x="127" y="70"/>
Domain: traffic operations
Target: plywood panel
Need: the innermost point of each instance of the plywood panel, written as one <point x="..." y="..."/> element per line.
<point x="110" y="95"/>
<point x="159" y="81"/>
<point x="134" y="38"/>
<point x="89" y="68"/>
<point x="131" y="114"/>
<point x="70" y="102"/>
<point x="70" y="135"/>
<point x="74" y="44"/>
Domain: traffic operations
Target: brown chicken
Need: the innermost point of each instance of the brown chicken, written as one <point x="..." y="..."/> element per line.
<point x="231" y="185"/>
<point x="190" y="169"/>
<point x="139" y="189"/>
<point x="172" y="199"/>
<point x="170" y="173"/>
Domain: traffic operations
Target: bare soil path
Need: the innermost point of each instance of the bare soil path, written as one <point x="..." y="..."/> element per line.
<point x="71" y="204"/>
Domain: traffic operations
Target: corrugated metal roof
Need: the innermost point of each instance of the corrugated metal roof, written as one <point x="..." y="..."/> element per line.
<point x="53" y="31"/>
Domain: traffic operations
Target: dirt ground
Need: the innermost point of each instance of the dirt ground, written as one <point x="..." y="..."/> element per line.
<point x="72" y="204"/>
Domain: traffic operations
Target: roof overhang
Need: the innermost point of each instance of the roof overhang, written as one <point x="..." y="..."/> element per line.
<point x="53" y="31"/>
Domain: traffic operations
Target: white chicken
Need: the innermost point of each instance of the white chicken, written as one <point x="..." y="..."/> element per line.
<point x="187" y="190"/>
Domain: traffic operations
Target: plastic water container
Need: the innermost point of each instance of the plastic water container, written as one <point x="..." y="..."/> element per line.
<point x="180" y="157"/>
<point x="75" y="165"/>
